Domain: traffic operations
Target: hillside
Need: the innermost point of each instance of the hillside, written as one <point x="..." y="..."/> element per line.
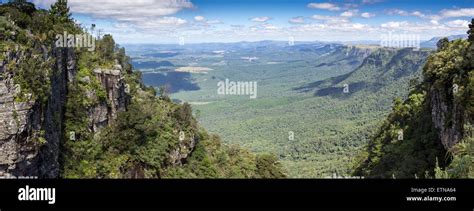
<point x="300" y="92"/>
<point x="429" y="134"/>
<point x="69" y="112"/>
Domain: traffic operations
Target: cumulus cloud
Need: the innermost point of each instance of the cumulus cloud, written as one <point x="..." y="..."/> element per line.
<point x="397" y="12"/>
<point x="199" y="18"/>
<point x="163" y="22"/>
<point x="270" y="27"/>
<point x="418" y="14"/>
<point x="297" y="20"/>
<point x="330" y="19"/>
<point x="394" y="24"/>
<point x="367" y="15"/>
<point x="153" y="20"/>
<point x="141" y="13"/>
<point x="458" y="23"/>
<point x="463" y="12"/>
<point x="260" y="19"/>
<point x="406" y="13"/>
<point x="120" y="9"/>
<point x="371" y="1"/>
<point x="214" y="22"/>
<point x="434" y="18"/>
<point x="324" y="6"/>
<point x="349" y="13"/>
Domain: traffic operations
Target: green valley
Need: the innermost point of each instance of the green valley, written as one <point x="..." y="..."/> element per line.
<point x="300" y="94"/>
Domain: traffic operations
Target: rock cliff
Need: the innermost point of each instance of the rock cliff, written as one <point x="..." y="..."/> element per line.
<point x="31" y="135"/>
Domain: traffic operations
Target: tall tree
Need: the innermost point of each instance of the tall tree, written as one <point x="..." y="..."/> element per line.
<point x="470" y="52"/>
<point x="471" y="31"/>
<point x="60" y="11"/>
<point x="23" y="6"/>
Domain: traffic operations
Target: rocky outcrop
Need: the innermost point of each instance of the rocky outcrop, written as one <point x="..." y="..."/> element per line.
<point x="19" y="126"/>
<point x="447" y="116"/>
<point x="63" y="72"/>
<point x="117" y="97"/>
<point x="17" y="146"/>
<point x="30" y="134"/>
<point x="179" y="155"/>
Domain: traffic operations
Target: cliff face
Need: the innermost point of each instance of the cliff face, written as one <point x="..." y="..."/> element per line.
<point x="112" y="81"/>
<point x="63" y="71"/>
<point x="25" y="124"/>
<point x="178" y="156"/>
<point x="447" y="117"/>
<point x="19" y="153"/>
<point x="435" y="121"/>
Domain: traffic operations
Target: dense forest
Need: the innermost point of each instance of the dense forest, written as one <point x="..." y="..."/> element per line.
<point x="110" y="125"/>
<point x="430" y="134"/>
<point x="73" y="112"/>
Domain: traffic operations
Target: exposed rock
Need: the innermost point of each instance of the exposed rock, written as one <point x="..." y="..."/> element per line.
<point x="21" y="122"/>
<point x="447" y="117"/>
<point x="63" y="72"/>
<point x="179" y="155"/>
<point x="117" y="98"/>
<point x="19" y="151"/>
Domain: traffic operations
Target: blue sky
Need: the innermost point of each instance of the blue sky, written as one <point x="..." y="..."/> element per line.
<point x="196" y="21"/>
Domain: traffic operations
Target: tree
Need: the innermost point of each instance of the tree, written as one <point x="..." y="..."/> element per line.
<point x="107" y="47"/>
<point x="269" y="167"/>
<point x="23" y="6"/>
<point x="470" y="52"/>
<point x="184" y="115"/>
<point x="471" y="31"/>
<point x="60" y="11"/>
<point x="442" y="43"/>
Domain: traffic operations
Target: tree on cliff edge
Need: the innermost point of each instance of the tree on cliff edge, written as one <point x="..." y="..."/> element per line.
<point x="60" y="11"/>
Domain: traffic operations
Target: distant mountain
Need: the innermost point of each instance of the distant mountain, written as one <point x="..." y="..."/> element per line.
<point x="432" y="42"/>
<point x="383" y="68"/>
<point x="151" y="64"/>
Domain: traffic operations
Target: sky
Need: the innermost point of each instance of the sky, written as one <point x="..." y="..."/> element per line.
<point x="200" y="21"/>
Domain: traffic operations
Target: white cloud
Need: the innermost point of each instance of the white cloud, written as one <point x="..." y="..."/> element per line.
<point x="324" y="6"/>
<point x="270" y="27"/>
<point x="163" y="22"/>
<point x="140" y="13"/>
<point x="394" y="24"/>
<point x="434" y="22"/>
<point x="260" y="19"/>
<point x="214" y="22"/>
<point x="371" y="1"/>
<point x="349" y="14"/>
<point x="199" y="18"/>
<point x="330" y="19"/>
<point x="156" y="21"/>
<point x="359" y="26"/>
<point x="418" y="14"/>
<point x="458" y="23"/>
<point x="463" y="12"/>
<point x="297" y="20"/>
<point x="397" y="12"/>
<point x="367" y="15"/>
<point x="406" y="13"/>
<point x="121" y="9"/>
